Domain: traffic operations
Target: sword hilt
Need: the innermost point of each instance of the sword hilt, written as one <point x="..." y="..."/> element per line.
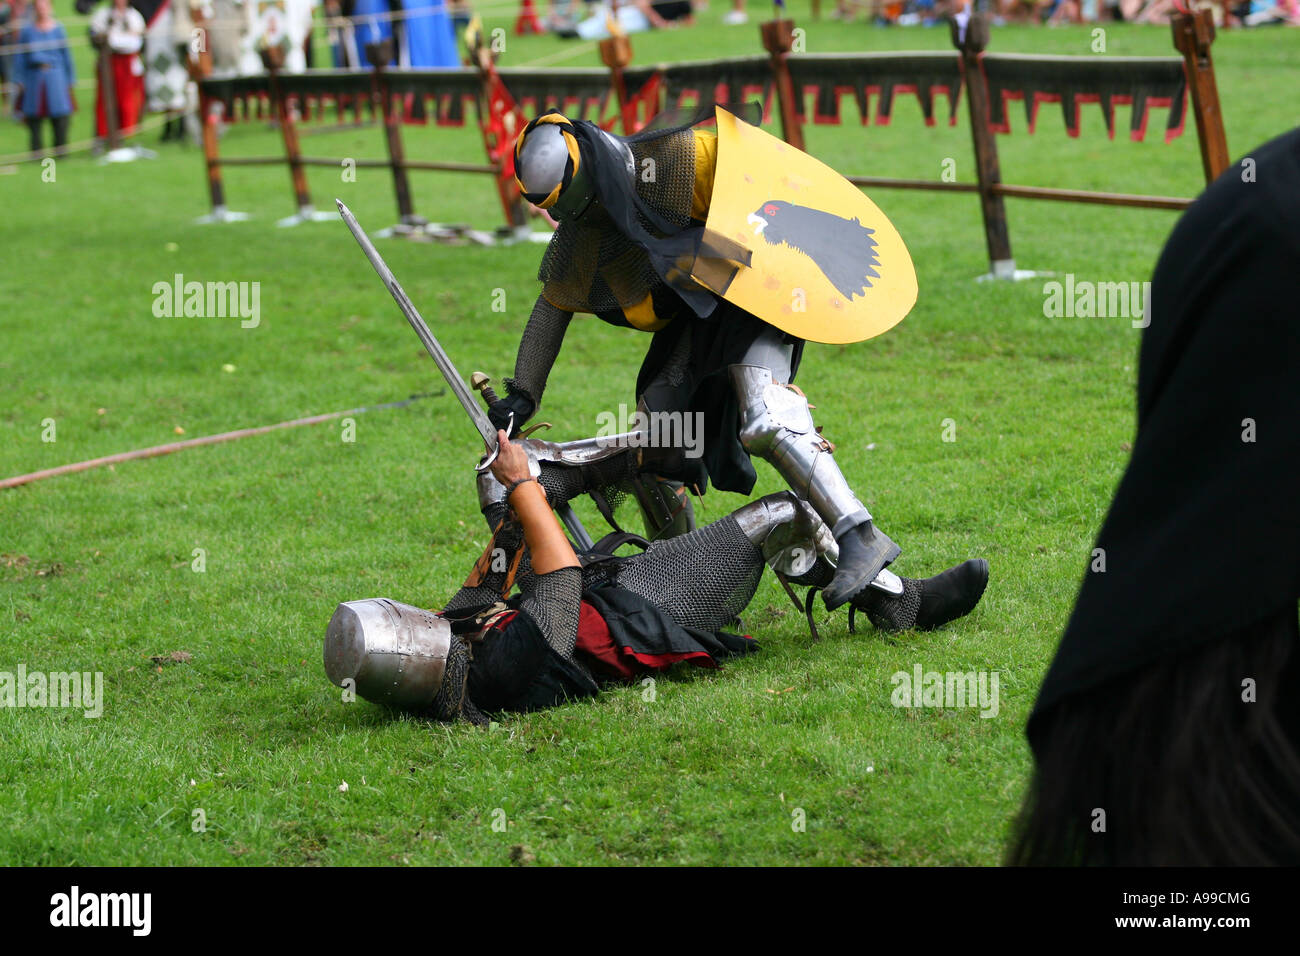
<point x="480" y="382"/>
<point x="491" y="455"/>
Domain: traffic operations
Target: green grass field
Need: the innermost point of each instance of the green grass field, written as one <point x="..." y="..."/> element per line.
<point x="96" y="572"/>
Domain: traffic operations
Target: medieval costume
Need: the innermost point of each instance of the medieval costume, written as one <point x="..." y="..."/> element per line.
<point x="428" y="37"/>
<point x="371" y="23"/>
<point x="226" y="24"/>
<point x="342" y="36"/>
<point x="14" y="15"/>
<point x="422" y="32"/>
<point x="166" y="52"/>
<point x="1171" y="703"/>
<point x="613" y="619"/>
<point x="275" y="23"/>
<point x="44" y="74"/>
<point x="635" y="247"/>
<point x="121" y="29"/>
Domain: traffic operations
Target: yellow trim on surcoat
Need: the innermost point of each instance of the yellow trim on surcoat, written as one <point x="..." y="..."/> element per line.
<point x="706" y="161"/>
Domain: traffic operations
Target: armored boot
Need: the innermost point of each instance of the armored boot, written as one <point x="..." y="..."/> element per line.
<point x="776" y="424"/>
<point x="930" y="602"/>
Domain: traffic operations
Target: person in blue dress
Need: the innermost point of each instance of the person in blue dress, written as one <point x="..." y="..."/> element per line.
<point x="423" y="32"/>
<point x="430" y="39"/>
<point x="44" y="73"/>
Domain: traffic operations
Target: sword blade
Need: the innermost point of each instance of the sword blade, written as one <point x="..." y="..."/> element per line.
<point x="457" y="384"/>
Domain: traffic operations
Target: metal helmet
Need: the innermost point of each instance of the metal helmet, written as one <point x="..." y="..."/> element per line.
<point x="550" y="170"/>
<point x="395" y="653"/>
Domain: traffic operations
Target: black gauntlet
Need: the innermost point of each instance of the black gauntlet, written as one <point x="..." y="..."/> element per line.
<point x="517" y="402"/>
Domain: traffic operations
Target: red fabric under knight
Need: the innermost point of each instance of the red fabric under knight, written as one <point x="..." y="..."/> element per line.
<point x="608" y="661"/>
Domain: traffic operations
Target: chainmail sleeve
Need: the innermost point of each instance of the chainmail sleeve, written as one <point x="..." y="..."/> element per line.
<point x="553" y="601"/>
<point x="471" y="599"/>
<point x="538" y="348"/>
<point x="703" y="579"/>
<point x="509" y="537"/>
<point x="563" y="483"/>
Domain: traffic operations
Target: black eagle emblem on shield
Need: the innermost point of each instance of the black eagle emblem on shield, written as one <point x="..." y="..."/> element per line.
<point x="843" y="249"/>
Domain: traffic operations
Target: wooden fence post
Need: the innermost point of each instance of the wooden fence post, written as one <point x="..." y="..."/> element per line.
<point x="273" y="59"/>
<point x="199" y="66"/>
<point x="1193" y="34"/>
<point x="379" y="54"/>
<point x="778" y="40"/>
<point x="970" y="45"/>
<point x="616" y="53"/>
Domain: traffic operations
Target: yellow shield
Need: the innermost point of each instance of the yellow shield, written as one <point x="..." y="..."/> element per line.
<point x="826" y="264"/>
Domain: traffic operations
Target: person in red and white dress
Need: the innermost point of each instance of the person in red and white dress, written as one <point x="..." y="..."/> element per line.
<point x="119" y="29"/>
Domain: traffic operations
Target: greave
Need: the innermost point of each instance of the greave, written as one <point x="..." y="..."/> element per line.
<point x="665" y="506"/>
<point x="776" y="424"/>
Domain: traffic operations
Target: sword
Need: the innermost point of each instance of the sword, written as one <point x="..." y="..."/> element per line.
<point x="486" y="429"/>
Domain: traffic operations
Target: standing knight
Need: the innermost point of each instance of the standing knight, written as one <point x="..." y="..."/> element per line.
<point x="729" y="248"/>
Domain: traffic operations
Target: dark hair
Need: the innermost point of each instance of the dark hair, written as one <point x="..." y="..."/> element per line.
<point x="1186" y="770"/>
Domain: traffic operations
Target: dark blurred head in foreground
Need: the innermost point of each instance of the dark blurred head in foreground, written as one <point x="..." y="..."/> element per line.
<point x="1167" y="730"/>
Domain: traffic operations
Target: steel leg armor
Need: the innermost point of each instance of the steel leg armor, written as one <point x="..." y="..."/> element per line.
<point x="796" y="542"/>
<point x="776" y="424"/>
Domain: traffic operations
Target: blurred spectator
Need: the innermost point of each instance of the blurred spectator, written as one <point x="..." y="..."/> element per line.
<point x="1157" y="11"/>
<point x="182" y="36"/>
<point x="371" y="23"/>
<point x="226" y="25"/>
<point x="1023" y="11"/>
<point x="1266" y="12"/>
<point x="844" y="10"/>
<point x="423" y="32"/>
<point x="14" y="15"/>
<point x="461" y="14"/>
<point x="1124" y="10"/>
<point x="309" y="35"/>
<point x="342" y="35"/>
<point x="44" y="75"/>
<point x="166" y="79"/>
<point x="663" y="14"/>
<point x="118" y="30"/>
<point x="1068" y="10"/>
<point x="427" y="37"/>
<point x="634" y="17"/>
<point x="562" y="17"/>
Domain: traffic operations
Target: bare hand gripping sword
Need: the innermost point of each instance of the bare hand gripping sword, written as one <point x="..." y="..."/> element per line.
<point x="486" y="429"/>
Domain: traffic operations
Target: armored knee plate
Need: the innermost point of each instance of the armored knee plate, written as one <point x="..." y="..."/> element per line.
<point x="776" y="424"/>
<point x="795" y="540"/>
<point x="790" y="534"/>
